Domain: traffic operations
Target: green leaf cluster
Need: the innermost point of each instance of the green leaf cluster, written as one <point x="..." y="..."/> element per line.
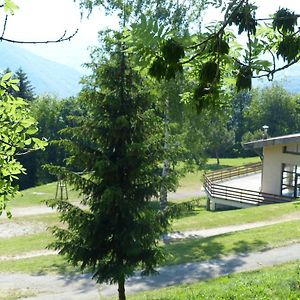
<point x="10" y="6"/>
<point x="167" y="65"/>
<point x="244" y="78"/>
<point x="16" y="130"/>
<point x="289" y="48"/>
<point x="284" y="20"/>
<point x="244" y="18"/>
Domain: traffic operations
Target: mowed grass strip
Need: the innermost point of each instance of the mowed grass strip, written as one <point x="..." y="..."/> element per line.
<point x="24" y="244"/>
<point x="200" y="218"/>
<point x="181" y="251"/>
<point x="277" y="282"/>
<point x="55" y="264"/>
<point x="195" y="250"/>
<point x="48" y="219"/>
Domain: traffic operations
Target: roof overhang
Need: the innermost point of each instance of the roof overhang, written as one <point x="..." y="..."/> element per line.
<point x="279" y="140"/>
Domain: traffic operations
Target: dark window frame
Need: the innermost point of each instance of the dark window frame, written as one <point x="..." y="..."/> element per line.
<point x="295" y="179"/>
<point x="284" y="150"/>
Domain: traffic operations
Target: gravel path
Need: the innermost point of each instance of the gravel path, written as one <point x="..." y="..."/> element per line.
<point x="31" y="254"/>
<point x="52" y="287"/>
<point x="18" y="228"/>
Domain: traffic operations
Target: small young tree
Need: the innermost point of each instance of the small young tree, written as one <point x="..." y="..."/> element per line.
<point x="118" y="146"/>
<point x="26" y="90"/>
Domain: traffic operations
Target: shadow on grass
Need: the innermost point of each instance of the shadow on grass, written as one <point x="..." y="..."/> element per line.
<point x="189" y="250"/>
<point x="60" y="268"/>
<point x="183" y="209"/>
<point x="210" y="260"/>
<point x="243" y="247"/>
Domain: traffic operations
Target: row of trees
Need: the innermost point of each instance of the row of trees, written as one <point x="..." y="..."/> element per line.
<point x="198" y="135"/>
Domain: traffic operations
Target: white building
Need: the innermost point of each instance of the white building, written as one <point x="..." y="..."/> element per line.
<point x="281" y="164"/>
<point x="279" y="176"/>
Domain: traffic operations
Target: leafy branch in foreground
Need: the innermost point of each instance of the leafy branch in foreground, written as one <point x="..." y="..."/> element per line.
<point x="16" y="137"/>
<point x="212" y="56"/>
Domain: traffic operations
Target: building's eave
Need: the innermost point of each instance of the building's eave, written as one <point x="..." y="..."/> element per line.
<point x="279" y="140"/>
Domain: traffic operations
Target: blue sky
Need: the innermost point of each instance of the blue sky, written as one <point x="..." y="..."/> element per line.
<point x="47" y="19"/>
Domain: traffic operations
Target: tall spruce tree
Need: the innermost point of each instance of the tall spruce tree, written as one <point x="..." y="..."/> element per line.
<point x="118" y="146"/>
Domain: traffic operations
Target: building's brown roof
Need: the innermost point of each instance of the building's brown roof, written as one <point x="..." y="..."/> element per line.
<point x="279" y="140"/>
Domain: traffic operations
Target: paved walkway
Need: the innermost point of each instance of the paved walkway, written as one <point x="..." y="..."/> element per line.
<point x="249" y="182"/>
<point x="82" y="287"/>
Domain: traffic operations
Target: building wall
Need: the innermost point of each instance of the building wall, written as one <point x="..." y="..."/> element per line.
<point x="272" y="167"/>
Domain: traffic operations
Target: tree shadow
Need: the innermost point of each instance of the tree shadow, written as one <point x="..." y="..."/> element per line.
<point x="201" y="249"/>
<point x="243" y="247"/>
<point x="188" y="208"/>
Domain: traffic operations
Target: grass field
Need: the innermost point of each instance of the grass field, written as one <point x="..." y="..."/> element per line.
<point x="279" y="282"/>
<point x="261" y="238"/>
<point x="193" y="180"/>
<point x="200" y="218"/>
<point x="35" y="196"/>
<point x="180" y="251"/>
<point x="14" y="294"/>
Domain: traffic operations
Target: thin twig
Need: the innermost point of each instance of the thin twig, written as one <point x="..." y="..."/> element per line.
<point x="279" y="69"/>
<point x="225" y="23"/>
<point x="4" y="26"/>
<point x="61" y="39"/>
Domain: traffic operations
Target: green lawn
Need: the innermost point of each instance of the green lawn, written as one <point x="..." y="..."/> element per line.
<point x="34" y="196"/>
<point x="231" y="162"/>
<point x="200" y="218"/>
<point x="278" y="282"/>
<point x="192" y="250"/>
<point x="180" y="251"/>
<point x="193" y="180"/>
<point x="25" y="243"/>
<point x="39" y="265"/>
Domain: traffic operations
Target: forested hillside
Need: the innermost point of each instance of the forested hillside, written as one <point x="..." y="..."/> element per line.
<point x="46" y="76"/>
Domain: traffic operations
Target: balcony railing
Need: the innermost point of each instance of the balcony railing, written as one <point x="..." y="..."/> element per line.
<point x="216" y="190"/>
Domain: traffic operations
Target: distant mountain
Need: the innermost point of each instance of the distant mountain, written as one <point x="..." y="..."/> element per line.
<point x="288" y="78"/>
<point x="45" y="75"/>
<point x="54" y="78"/>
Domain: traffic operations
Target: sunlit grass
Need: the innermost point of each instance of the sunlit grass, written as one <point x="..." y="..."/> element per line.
<point x="277" y="282"/>
<point x="200" y="218"/>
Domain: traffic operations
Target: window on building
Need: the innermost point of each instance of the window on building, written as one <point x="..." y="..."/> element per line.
<point x="290" y="179"/>
<point x="292" y="149"/>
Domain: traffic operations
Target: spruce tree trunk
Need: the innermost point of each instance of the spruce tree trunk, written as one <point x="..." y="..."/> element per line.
<point x="121" y="289"/>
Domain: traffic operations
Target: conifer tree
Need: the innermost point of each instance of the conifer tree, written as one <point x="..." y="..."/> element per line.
<point x="118" y="146"/>
<point x="26" y="90"/>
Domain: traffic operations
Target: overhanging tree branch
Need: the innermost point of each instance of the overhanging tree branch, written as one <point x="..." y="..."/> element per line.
<point x="63" y="38"/>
